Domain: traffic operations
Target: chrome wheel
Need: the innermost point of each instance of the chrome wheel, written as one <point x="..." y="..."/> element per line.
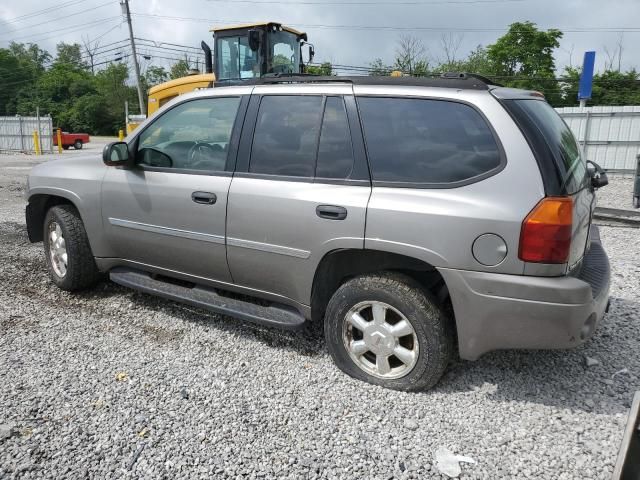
<point x="380" y="340"/>
<point x="57" y="250"/>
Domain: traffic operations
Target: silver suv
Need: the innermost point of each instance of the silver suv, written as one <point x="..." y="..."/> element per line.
<point x="408" y="215"/>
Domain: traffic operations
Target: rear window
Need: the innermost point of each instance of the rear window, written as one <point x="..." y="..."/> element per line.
<point x="423" y="141"/>
<point x="540" y="122"/>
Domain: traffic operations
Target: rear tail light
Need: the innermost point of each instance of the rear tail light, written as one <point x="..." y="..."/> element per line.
<point x="545" y="236"/>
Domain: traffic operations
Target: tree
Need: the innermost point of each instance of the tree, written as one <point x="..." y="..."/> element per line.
<point x="523" y="58"/>
<point x="20" y="67"/>
<point x="325" y="69"/>
<point x="90" y="51"/>
<point x="525" y="51"/>
<point x="70" y="54"/>
<point x="378" y="69"/>
<point x="155" y="75"/>
<point x="179" y="69"/>
<point x="450" y="44"/>
<point x="411" y="56"/>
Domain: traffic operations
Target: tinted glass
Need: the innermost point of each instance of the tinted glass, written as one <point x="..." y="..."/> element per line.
<point x="565" y="150"/>
<point x="286" y="135"/>
<point x="335" y="152"/>
<point x="194" y="135"/>
<point x="426" y="141"/>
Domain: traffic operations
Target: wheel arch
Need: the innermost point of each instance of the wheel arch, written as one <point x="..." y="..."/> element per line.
<point x="40" y="201"/>
<point x="337" y="266"/>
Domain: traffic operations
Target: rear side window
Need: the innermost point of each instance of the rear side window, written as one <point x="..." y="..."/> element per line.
<point x="434" y="142"/>
<point x="286" y="136"/>
<point x="335" y="152"/>
<point x="538" y="119"/>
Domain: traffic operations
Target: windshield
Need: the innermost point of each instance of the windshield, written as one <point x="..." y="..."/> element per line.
<point x="235" y="60"/>
<point x="567" y="153"/>
<point x="284" y="53"/>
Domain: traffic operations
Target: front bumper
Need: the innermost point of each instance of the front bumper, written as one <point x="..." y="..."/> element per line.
<point x="497" y="311"/>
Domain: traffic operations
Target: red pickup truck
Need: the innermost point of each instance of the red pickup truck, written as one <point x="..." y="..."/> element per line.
<point x="69" y="139"/>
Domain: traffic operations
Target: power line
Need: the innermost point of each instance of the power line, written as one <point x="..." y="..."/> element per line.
<point x="69" y="28"/>
<point x="385" y="27"/>
<point x="41" y="12"/>
<point x="158" y="43"/>
<point x="58" y="18"/>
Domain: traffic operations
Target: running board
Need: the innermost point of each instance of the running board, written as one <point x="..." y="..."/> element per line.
<point x="274" y="315"/>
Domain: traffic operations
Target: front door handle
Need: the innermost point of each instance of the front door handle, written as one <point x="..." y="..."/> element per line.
<point x="331" y="212"/>
<point x="206" y="198"/>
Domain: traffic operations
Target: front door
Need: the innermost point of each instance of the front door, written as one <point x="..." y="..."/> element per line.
<point x="303" y="192"/>
<point x="169" y="211"/>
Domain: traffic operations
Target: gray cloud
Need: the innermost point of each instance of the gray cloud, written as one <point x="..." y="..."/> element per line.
<point x="342" y="45"/>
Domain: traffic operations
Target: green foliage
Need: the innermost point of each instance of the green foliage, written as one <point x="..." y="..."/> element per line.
<point x="378" y="69"/>
<point x="69" y="54"/>
<point x="179" y="69"/>
<point x="523" y="58"/>
<point x="609" y="88"/>
<point x="477" y="62"/>
<point x="325" y="69"/>
<point x="524" y="51"/>
<point x="155" y="75"/>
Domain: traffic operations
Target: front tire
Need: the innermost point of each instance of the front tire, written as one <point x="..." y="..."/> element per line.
<point x="386" y="330"/>
<point x="70" y="262"/>
<point x="78" y="145"/>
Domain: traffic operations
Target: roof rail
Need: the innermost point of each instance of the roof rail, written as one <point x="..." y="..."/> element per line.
<point x="448" y="80"/>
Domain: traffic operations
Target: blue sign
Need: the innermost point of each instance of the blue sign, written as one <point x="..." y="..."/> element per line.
<point x="586" y="77"/>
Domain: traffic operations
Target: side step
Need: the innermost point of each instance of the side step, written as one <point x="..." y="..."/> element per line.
<point x="274" y="315"/>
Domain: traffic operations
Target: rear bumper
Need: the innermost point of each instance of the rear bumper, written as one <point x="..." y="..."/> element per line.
<point x="498" y="311"/>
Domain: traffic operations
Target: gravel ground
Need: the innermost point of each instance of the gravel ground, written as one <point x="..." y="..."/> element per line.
<point x="618" y="194"/>
<point x="111" y="383"/>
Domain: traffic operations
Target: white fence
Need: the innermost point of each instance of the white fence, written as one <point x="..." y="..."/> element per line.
<point x="610" y="135"/>
<point x="16" y="133"/>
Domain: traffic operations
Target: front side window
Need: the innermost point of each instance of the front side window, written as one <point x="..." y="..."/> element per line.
<point x="284" y="53"/>
<point x="236" y="60"/>
<point x="286" y="135"/>
<point x="426" y="141"/>
<point x="193" y="136"/>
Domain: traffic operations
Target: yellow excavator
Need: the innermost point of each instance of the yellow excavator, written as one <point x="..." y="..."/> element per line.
<point x="240" y="53"/>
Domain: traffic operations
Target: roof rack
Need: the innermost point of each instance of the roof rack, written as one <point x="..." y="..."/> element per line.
<point x="445" y="80"/>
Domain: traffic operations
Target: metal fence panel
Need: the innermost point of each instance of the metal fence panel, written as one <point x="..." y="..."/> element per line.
<point x="609" y="134"/>
<point x="16" y="133"/>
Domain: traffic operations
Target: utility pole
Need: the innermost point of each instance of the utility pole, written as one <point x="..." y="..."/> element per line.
<point x="136" y="67"/>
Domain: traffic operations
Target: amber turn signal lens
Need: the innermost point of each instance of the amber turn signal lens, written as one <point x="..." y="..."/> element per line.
<point x="545" y="236"/>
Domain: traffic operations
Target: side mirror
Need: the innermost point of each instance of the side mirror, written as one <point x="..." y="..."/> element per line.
<point x="115" y="154"/>
<point x="311" y="52"/>
<point x="597" y="174"/>
<point x="254" y="39"/>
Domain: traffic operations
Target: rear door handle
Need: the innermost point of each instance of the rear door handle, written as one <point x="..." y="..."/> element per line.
<point x="206" y="198"/>
<point x="331" y="212"/>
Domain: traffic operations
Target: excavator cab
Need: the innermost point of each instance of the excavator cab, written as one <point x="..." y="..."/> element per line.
<point x="252" y="51"/>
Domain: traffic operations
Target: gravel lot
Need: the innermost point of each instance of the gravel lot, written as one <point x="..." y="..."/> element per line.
<point x="619" y="192"/>
<point x="115" y="384"/>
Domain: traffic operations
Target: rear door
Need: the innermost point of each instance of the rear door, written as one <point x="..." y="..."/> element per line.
<point x="169" y="211"/>
<point x="300" y="189"/>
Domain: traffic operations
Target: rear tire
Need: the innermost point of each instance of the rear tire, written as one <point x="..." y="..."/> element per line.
<point x="70" y="262"/>
<point x="408" y="350"/>
<point x="77" y="145"/>
<point x="65" y="147"/>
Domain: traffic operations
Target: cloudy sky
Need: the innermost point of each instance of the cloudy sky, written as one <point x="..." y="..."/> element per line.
<point x="348" y="32"/>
